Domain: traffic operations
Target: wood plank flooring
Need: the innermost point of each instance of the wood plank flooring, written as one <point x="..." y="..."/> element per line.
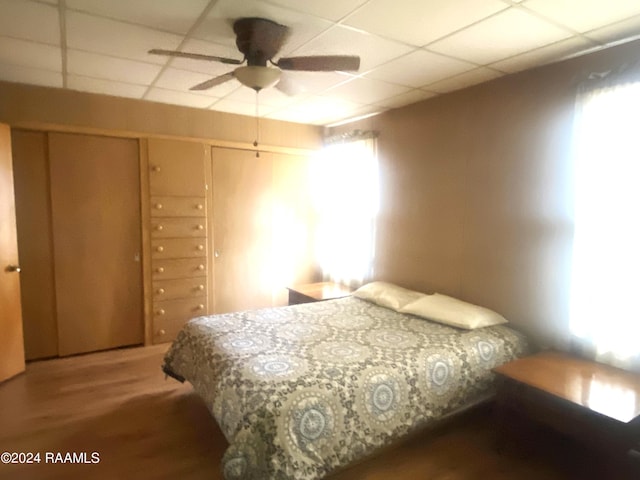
<point x="119" y="405"/>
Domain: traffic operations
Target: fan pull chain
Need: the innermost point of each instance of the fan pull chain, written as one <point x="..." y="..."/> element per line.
<point x="255" y="144"/>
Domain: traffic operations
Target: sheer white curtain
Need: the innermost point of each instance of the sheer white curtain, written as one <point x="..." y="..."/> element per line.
<point x="605" y="313"/>
<point x="345" y="195"/>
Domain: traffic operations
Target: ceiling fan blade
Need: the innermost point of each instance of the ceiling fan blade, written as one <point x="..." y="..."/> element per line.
<point x="195" y="56"/>
<point x="321" y="63"/>
<point x="214" y="81"/>
<point x="288" y="85"/>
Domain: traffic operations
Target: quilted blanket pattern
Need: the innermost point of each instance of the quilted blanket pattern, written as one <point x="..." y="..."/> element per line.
<point x="299" y="391"/>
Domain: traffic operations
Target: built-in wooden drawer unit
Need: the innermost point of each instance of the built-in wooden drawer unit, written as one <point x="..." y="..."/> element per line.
<point x="179" y="288"/>
<point x="169" y="316"/>
<point x="179" y="198"/>
<point x="166" y="330"/>
<point x="179" y="268"/>
<point x="178" y="248"/>
<point x="178" y="206"/>
<point x="171" y="227"/>
<point x="177" y="168"/>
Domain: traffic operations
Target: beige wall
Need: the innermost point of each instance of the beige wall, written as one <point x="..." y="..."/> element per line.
<point x="476" y="192"/>
<point x="56" y="109"/>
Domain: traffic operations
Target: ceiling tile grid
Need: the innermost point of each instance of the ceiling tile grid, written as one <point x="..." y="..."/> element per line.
<point x="179" y="98"/>
<point x="105" y="87"/>
<point x="410" y="50"/>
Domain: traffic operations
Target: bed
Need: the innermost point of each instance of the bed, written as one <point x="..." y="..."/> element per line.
<point x="300" y="391"/>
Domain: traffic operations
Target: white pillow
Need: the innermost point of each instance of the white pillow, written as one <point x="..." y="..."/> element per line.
<point x="387" y="295"/>
<point x="454" y="312"/>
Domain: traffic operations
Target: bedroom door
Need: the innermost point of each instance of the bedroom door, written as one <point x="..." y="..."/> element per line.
<point x="95" y="204"/>
<point x="11" y="336"/>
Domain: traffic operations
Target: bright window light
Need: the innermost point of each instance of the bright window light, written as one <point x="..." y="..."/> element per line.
<point x="344" y="179"/>
<point x="606" y="252"/>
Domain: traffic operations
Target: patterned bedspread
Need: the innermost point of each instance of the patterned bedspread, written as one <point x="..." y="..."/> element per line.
<point x="299" y="391"/>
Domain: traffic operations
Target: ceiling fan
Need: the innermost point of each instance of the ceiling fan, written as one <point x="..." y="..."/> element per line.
<point x="259" y="40"/>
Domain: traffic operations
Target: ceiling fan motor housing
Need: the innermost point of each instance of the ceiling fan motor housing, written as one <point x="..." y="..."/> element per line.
<point x="259" y="39"/>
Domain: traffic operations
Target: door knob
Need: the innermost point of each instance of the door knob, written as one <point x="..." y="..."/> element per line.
<point x="13" y="268"/>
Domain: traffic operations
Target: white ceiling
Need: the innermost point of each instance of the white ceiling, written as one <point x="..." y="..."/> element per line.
<point x="410" y="49"/>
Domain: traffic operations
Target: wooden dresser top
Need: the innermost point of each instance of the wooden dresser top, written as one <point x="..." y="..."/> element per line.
<point x="601" y="388"/>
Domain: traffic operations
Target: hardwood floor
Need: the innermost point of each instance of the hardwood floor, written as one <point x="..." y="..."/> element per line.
<point x="119" y="405"/>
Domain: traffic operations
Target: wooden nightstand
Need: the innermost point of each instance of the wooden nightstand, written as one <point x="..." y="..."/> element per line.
<point x="316" y="292"/>
<point x="597" y="404"/>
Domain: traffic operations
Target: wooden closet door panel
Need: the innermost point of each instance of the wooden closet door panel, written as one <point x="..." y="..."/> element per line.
<point x="176" y="168"/>
<point x="33" y="212"/>
<point x="95" y="200"/>
<point x="242" y="229"/>
<point x="293" y="225"/>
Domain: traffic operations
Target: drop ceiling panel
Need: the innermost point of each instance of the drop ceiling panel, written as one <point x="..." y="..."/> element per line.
<point x="629" y="28"/>
<point x="329" y="9"/>
<point x="179" y="98"/>
<point x="583" y="15"/>
<point x="30" y="54"/>
<point x="340" y="40"/>
<point x="419" y="22"/>
<point x="543" y="55"/>
<point x="105" y="87"/>
<point x="366" y="90"/>
<point x="463" y="80"/>
<point x="271" y="97"/>
<point x="291" y="115"/>
<point x="408" y="47"/>
<point x="241" y="108"/>
<point x="420" y="68"/>
<point x="504" y="35"/>
<point x="29" y="21"/>
<point x="314" y="82"/>
<point x="110" y="68"/>
<point x="118" y="39"/>
<point x="165" y="15"/>
<point x="217" y="26"/>
<point x="31" y="76"/>
<point x="407" y="98"/>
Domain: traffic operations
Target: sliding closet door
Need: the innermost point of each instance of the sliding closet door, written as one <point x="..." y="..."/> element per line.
<point x="95" y="200"/>
<point x="242" y="229"/>
<point x="263" y="227"/>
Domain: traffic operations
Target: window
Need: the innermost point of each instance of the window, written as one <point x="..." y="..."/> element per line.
<point x="606" y="253"/>
<point x="344" y="179"/>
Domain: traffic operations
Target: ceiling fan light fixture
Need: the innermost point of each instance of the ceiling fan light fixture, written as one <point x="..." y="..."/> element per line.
<point x="257" y="77"/>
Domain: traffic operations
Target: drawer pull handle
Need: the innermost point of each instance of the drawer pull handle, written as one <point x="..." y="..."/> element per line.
<point x="200" y="307"/>
<point x="200" y="227"/>
<point x="200" y="247"/>
<point x="156" y="168"/>
<point x="160" y="269"/>
<point x="200" y="287"/>
<point x="161" y="331"/>
<point x="199" y="206"/>
<point x="160" y="311"/>
<point x="158" y="206"/>
<point x="160" y="249"/>
<point x="160" y="291"/>
<point x="159" y="228"/>
<point x="200" y="267"/>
